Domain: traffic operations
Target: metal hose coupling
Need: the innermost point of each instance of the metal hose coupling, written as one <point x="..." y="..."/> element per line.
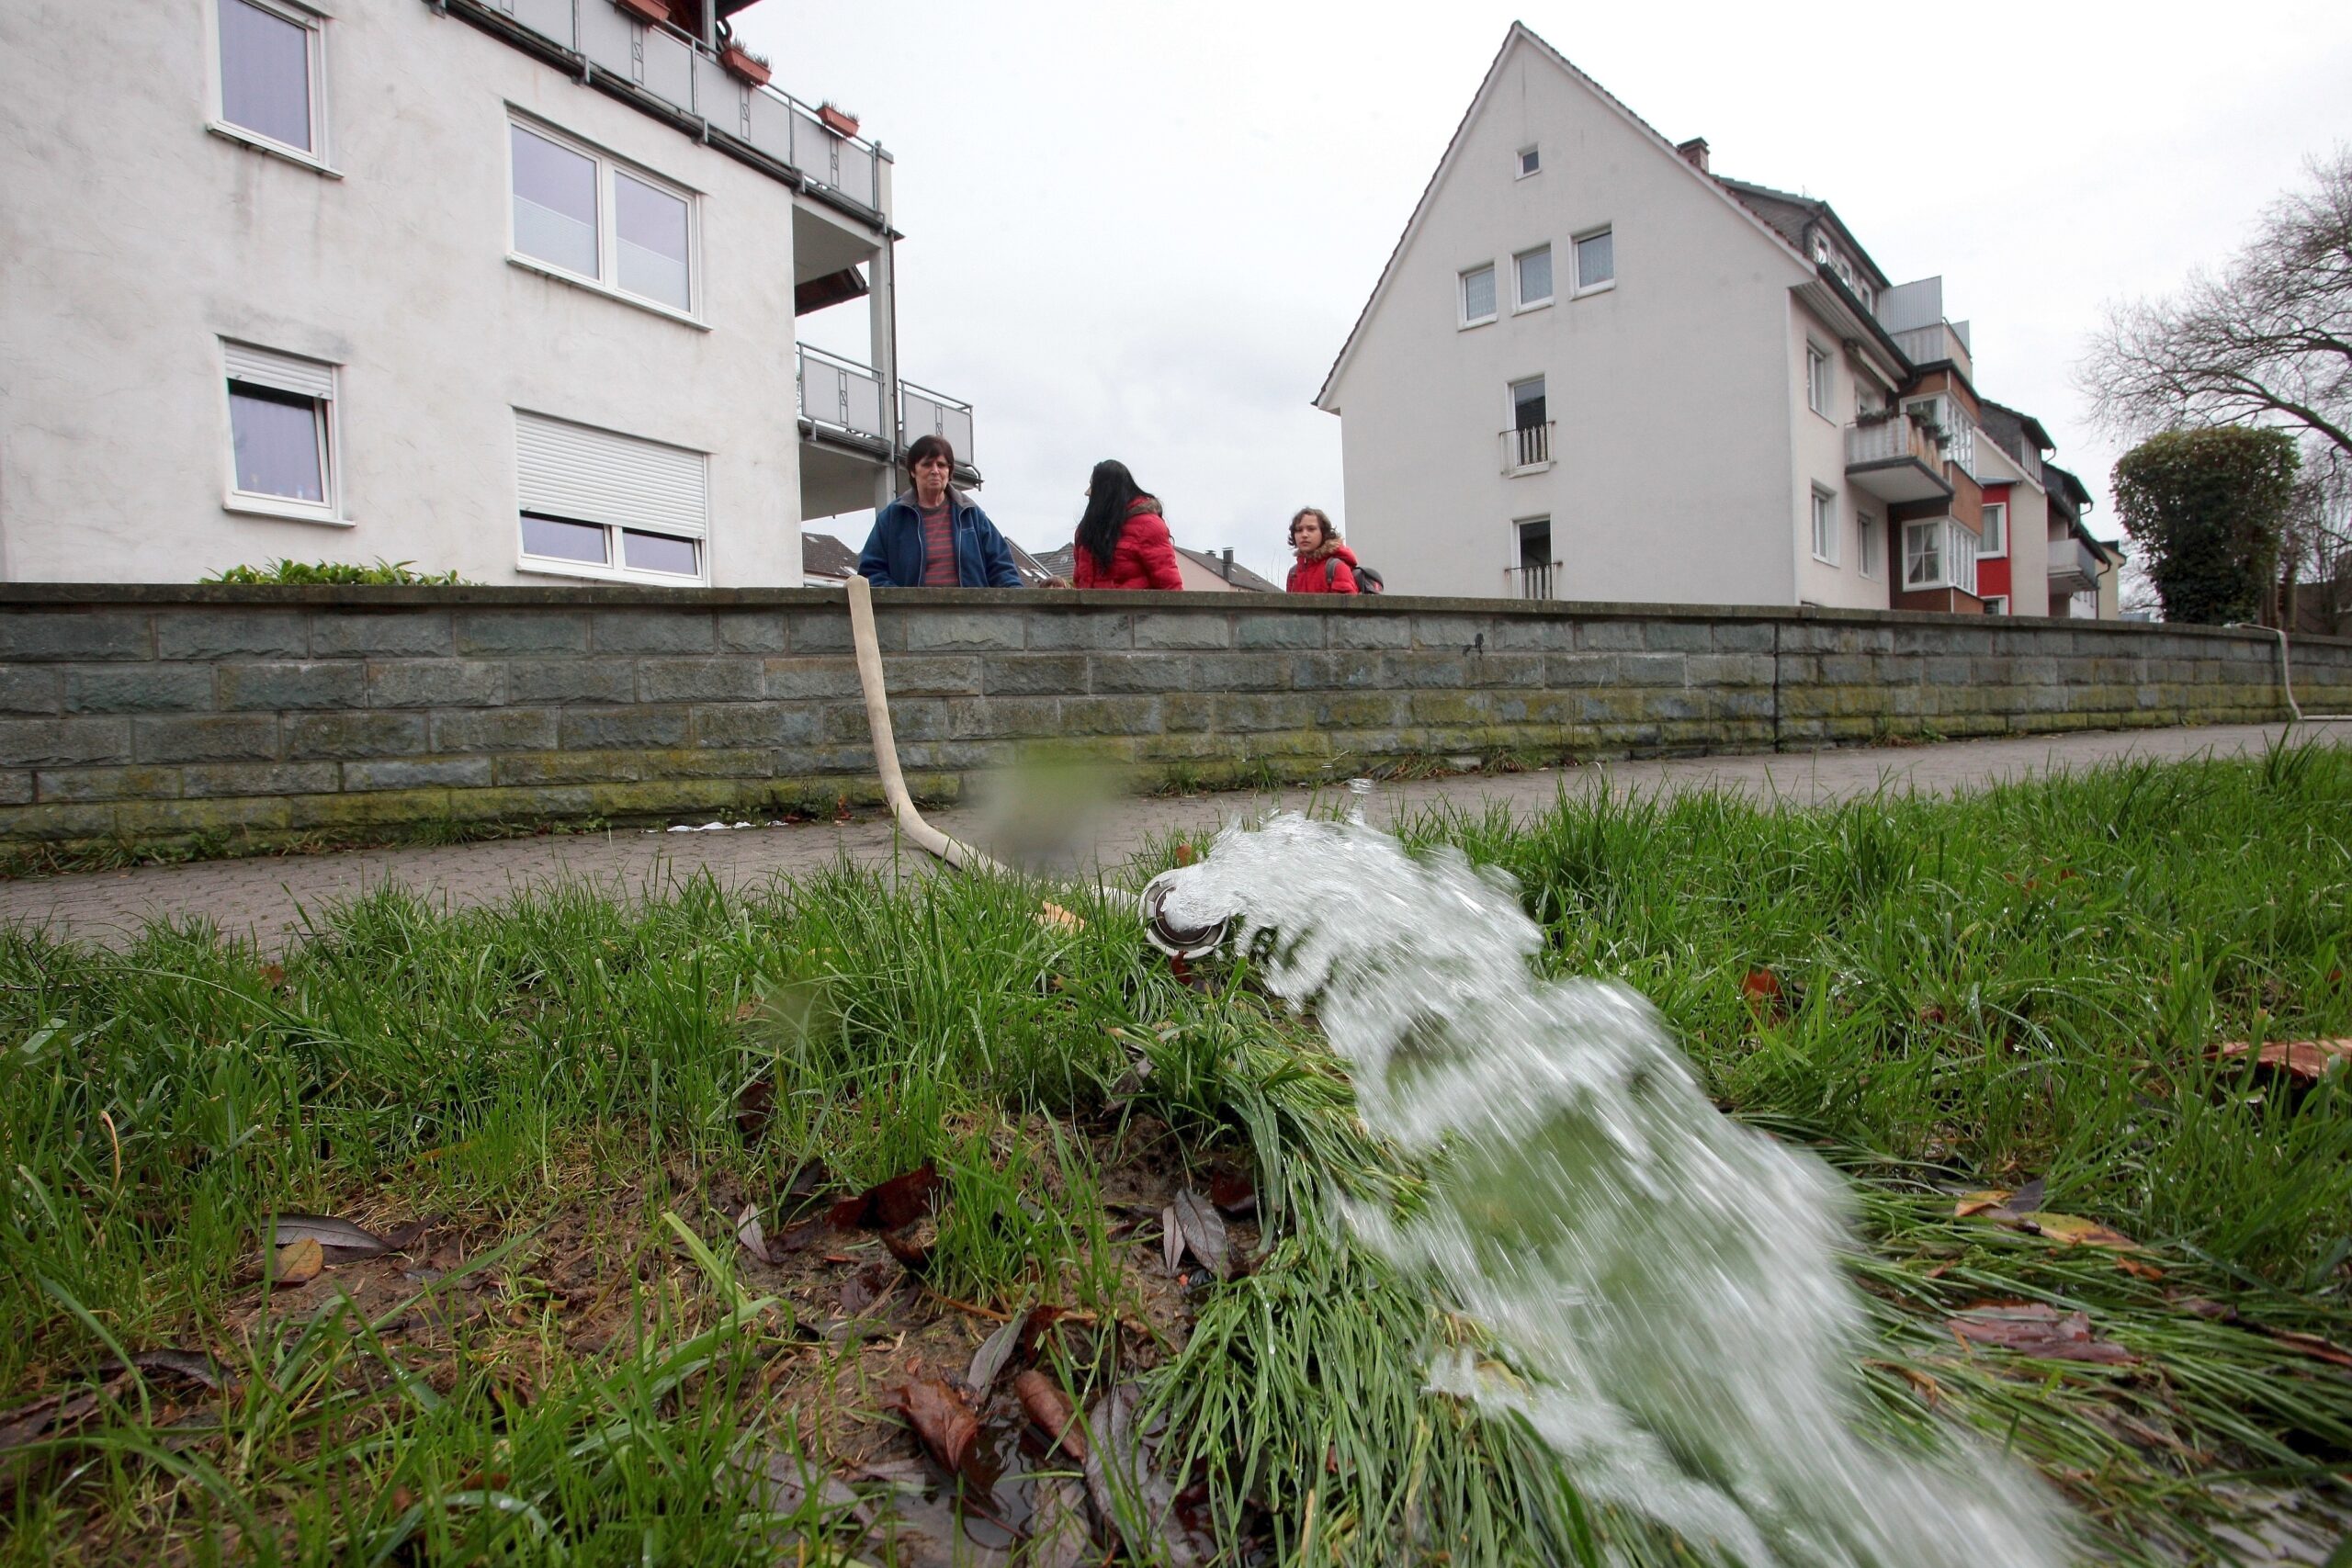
<point x="1177" y="941"/>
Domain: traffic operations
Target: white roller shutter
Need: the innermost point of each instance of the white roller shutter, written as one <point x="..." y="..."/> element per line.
<point x="600" y="476"/>
<point x="260" y="367"/>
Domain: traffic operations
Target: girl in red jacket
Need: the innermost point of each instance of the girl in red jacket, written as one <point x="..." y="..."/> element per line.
<point x="1123" y="540"/>
<point x="1325" y="564"/>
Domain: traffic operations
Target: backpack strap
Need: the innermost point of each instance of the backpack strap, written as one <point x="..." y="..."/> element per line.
<point x="1331" y="570"/>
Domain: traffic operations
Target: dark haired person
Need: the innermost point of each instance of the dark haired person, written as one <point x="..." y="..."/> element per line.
<point x="1325" y="564"/>
<point x="1123" y="540"/>
<point x="934" y="535"/>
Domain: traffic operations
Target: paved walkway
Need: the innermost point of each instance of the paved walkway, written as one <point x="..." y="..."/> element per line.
<point x="268" y="899"/>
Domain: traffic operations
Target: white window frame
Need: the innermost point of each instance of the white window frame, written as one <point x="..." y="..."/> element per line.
<point x="608" y="223"/>
<point x="1957" y="554"/>
<point x="1870" y="541"/>
<point x="613" y="570"/>
<point x="317" y="157"/>
<point x="1997" y="604"/>
<point x="1521" y="304"/>
<point x="1533" y="150"/>
<point x="1995" y="512"/>
<point x="1825" y="524"/>
<point x="300" y="375"/>
<point x="1463" y="319"/>
<point x="1575" y="261"/>
<point x="1820" y="381"/>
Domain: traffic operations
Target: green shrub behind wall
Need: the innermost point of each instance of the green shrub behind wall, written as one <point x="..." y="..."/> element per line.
<point x="2205" y="506"/>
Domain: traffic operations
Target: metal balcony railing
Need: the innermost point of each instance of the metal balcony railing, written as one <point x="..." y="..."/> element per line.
<point x="669" y="65"/>
<point x="1534" y="578"/>
<point x="844" y="396"/>
<point x="1527" y="448"/>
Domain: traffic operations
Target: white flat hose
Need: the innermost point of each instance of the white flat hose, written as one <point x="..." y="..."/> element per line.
<point x="954" y="851"/>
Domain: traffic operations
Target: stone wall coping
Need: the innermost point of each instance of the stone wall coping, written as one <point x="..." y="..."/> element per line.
<point x="31" y="595"/>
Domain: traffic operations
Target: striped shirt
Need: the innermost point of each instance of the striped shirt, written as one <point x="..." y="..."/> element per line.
<point x="938" y="545"/>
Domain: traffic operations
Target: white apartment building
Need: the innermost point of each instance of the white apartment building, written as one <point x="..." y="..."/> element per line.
<point x="507" y="287"/>
<point x="1594" y="369"/>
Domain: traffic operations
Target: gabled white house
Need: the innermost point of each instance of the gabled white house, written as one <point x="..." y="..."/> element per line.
<point x="507" y="287"/>
<point x="1593" y="369"/>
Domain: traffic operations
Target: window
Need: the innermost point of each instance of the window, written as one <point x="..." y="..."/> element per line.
<point x="1534" y="272"/>
<point x="1997" y="529"/>
<point x="1939" y="552"/>
<point x="1923" y="560"/>
<point x="270" y="58"/>
<point x="1816" y="378"/>
<point x="1531" y="161"/>
<point x="585" y="214"/>
<point x="1868" y="541"/>
<point x="1596" y="261"/>
<point x="1998" y="605"/>
<point x="1478" y="295"/>
<point x="1535" y="562"/>
<point x="281" y="434"/>
<point x="1528" y="442"/>
<point x="1825" y="526"/>
<point x="598" y="503"/>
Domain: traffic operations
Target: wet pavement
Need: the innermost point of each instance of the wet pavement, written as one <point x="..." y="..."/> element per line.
<point x="270" y="899"/>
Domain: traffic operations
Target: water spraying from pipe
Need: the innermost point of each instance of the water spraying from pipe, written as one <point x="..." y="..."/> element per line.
<point x="1662" y="1281"/>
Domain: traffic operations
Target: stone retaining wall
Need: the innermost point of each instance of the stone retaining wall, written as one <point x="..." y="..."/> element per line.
<point x="156" y="713"/>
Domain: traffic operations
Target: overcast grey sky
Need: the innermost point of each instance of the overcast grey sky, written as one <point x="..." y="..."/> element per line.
<point x="1142" y="232"/>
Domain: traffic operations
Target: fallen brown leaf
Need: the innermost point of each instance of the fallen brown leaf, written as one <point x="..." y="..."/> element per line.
<point x="2137" y="1270"/>
<point x="298" y="1263"/>
<point x="339" y="1236"/>
<point x="1203" y="1230"/>
<point x="1977" y="1202"/>
<point x="891" y="1205"/>
<point x="940" y="1417"/>
<point x="1047" y="1405"/>
<point x="2069" y="1230"/>
<point x="2035" y="1329"/>
<point x="2312" y="1345"/>
<point x="1053" y="917"/>
<point x="2307" y="1060"/>
<point x="748" y="1234"/>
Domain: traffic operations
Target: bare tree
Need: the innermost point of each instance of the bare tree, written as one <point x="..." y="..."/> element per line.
<point x="2315" y="545"/>
<point x="2267" y="341"/>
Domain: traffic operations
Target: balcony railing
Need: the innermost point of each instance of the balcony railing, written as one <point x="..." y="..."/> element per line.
<point x="1534" y="577"/>
<point x="2074" y="566"/>
<point x="1527" y="448"/>
<point x="1940" y="340"/>
<point x="664" y="63"/>
<point x="1890" y="440"/>
<point x="844" y="396"/>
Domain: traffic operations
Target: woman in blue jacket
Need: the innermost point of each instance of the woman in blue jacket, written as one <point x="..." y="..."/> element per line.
<point x="933" y="536"/>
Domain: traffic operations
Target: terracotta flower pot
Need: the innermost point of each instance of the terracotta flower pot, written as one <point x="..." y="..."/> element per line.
<point x="646" y="10"/>
<point x="740" y="63"/>
<point x="836" y="121"/>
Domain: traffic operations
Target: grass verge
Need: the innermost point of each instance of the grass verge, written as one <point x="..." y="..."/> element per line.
<point x="569" y="1103"/>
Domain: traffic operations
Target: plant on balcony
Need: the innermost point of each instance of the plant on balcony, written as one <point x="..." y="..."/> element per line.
<point x="646" y="10"/>
<point x="1867" y="417"/>
<point x="740" y="61"/>
<point x="840" y="121"/>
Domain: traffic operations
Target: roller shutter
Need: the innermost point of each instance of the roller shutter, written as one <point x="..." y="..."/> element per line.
<point x="564" y="470"/>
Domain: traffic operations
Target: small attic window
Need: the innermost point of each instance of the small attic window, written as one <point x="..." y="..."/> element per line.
<point x="1530" y="160"/>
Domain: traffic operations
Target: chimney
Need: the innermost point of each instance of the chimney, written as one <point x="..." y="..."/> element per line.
<point x="1694" y="151"/>
<point x="1226" y="570"/>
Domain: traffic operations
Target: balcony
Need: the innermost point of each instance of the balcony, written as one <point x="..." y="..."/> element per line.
<point x="1935" y="343"/>
<point x="1527" y="449"/>
<point x="1895" y="460"/>
<point x="1532" y="578"/>
<point x="663" y="69"/>
<point x="845" y="452"/>
<point x="2074" y="566"/>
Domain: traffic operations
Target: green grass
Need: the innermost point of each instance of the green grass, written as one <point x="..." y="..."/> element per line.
<point x="2023" y="983"/>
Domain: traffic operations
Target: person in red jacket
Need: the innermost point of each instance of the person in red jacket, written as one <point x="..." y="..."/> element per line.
<point x="1325" y="564"/>
<point x="1123" y="540"/>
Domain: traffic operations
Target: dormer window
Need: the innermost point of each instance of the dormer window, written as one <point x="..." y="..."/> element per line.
<point x="1531" y="161"/>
